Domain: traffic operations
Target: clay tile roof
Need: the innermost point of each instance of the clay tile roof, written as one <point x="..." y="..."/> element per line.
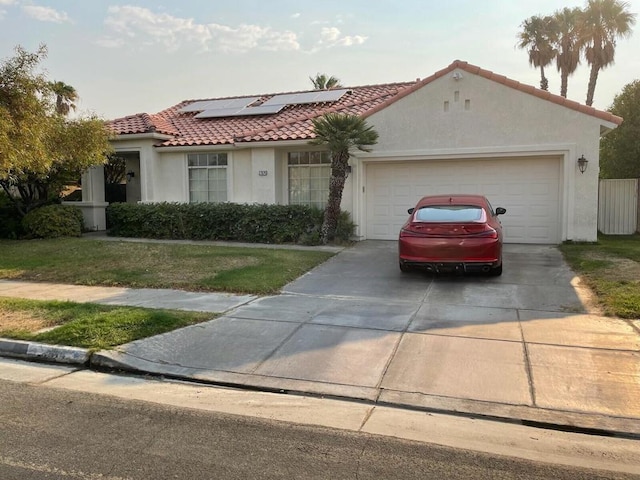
<point x="142" y="123"/>
<point x="294" y="122"/>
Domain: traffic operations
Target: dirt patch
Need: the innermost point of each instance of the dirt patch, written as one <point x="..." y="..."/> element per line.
<point x="622" y="269"/>
<point x="23" y="321"/>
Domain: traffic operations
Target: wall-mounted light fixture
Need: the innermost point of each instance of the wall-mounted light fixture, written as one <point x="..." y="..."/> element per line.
<point x="130" y="175"/>
<point x="582" y="164"/>
<point x="348" y="170"/>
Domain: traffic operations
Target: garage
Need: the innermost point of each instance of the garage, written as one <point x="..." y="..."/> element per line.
<point x="528" y="187"/>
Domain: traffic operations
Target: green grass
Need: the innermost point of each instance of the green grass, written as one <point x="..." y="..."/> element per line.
<point x="155" y="265"/>
<point x="88" y="325"/>
<point x="611" y="268"/>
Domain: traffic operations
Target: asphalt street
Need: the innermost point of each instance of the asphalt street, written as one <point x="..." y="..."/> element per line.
<point x="49" y="433"/>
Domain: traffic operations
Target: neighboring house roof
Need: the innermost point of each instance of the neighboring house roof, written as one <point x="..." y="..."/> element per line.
<point x="294" y="122"/>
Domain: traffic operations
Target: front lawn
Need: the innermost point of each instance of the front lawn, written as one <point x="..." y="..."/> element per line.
<point x="86" y="324"/>
<point x="611" y="268"/>
<point x="155" y="265"/>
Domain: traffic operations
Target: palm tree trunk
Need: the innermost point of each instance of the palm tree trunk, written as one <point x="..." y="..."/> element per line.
<point x="544" y="83"/>
<point x="593" y="78"/>
<point x="564" y="83"/>
<point x="336" y="187"/>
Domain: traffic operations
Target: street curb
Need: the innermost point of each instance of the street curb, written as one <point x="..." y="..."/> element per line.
<point x="43" y="353"/>
<point x="577" y="422"/>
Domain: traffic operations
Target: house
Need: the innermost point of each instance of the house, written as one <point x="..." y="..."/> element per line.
<point x="463" y="129"/>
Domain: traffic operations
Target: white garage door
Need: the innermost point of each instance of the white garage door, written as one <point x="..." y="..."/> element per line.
<point x="527" y="187"/>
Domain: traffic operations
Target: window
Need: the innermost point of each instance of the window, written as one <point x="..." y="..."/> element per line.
<point x="450" y="213"/>
<point x="309" y="174"/>
<point x="207" y="177"/>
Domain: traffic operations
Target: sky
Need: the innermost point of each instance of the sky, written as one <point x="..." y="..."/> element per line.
<point x="134" y="56"/>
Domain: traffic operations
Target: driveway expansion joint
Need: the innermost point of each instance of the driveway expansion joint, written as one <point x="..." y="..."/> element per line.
<point x="527" y="363"/>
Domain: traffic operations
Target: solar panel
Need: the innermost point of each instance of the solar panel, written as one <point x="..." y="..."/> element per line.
<point x="195" y="106"/>
<point x="332" y="95"/>
<point x="260" y="110"/>
<point x="218" y="112"/>
<point x="240" y="112"/>
<point x="306" y="97"/>
<point x="220" y="104"/>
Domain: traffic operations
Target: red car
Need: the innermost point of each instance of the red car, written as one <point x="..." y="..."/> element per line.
<point x="452" y="233"/>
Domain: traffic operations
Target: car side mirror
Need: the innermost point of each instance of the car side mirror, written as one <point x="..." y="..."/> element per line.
<point x="501" y="211"/>
<point x="410" y="211"/>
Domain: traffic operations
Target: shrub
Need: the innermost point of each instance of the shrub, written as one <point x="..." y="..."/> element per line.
<point x="345" y="228"/>
<point x="53" y="221"/>
<point x="10" y="223"/>
<point x="220" y="221"/>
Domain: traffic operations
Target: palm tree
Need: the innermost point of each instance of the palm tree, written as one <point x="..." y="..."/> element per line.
<point x="66" y="95"/>
<point x="602" y="23"/>
<point x="567" y="44"/>
<point x="340" y="133"/>
<point x="538" y="38"/>
<point x="323" y="82"/>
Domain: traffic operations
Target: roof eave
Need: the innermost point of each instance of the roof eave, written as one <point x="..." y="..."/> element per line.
<point x="232" y="146"/>
<point x="142" y="136"/>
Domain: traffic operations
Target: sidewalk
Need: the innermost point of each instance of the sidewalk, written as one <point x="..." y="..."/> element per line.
<point x="134" y="297"/>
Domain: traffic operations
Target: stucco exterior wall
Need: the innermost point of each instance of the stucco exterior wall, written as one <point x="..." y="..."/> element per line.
<point x="263" y="175"/>
<point x="171" y="178"/>
<point x="242" y="173"/>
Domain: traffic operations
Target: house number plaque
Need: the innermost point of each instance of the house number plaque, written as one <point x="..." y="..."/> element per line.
<point x="262" y="173"/>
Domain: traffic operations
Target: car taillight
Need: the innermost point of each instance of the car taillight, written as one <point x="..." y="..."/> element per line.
<point x="408" y="233"/>
<point x="488" y="233"/>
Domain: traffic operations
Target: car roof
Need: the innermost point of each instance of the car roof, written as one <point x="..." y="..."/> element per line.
<point x="454" y="199"/>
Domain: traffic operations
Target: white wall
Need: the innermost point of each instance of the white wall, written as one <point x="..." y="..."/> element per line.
<point x="170" y="176"/>
<point x="242" y="175"/>
<point x="263" y="175"/>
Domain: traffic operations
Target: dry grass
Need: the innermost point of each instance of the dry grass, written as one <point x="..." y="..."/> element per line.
<point x="611" y="268"/>
<point x="23" y="321"/>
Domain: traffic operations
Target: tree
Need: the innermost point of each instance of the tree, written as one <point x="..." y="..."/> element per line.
<point x="340" y="133"/>
<point x="323" y="82"/>
<point x="66" y="95"/>
<point x="538" y="37"/>
<point x="620" y="148"/>
<point x="41" y="150"/>
<point x="603" y="22"/>
<point x="567" y="44"/>
<point x="114" y="169"/>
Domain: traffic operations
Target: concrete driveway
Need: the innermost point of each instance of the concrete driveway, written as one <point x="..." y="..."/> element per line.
<point x="518" y="346"/>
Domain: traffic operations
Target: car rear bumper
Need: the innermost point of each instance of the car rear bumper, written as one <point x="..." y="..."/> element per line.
<point x="443" y="255"/>
<point x="446" y="267"/>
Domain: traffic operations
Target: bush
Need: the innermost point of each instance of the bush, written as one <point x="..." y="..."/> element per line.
<point x="53" y="221"/>
<point x="221" y="221"/>
<point x="10" y="223"/>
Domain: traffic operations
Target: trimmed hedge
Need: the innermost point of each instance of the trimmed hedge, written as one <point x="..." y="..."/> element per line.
<point x="222" y="221"/>
<point x="53" y="221"/>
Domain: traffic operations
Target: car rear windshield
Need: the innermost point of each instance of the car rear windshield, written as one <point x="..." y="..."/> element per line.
<point x="449" y="213"/>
